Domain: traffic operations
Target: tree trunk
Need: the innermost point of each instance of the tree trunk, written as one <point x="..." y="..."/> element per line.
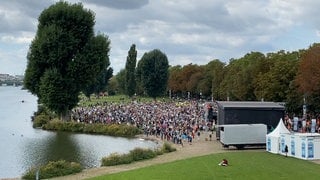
<point x="66" y="116"/>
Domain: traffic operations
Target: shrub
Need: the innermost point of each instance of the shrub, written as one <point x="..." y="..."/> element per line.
<point x="116" y="159"/>
<point x="136" y="154"/>
<point x="53" y="169"/>
<point x="106" y="129"/>
<point x="141" y="154"/>
<point x="168" y="148"/>
<point x="40" y="120"/>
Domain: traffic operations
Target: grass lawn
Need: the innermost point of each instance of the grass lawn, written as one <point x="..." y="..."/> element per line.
<point x="115" y="99"/>
<point x="242" y="165"/>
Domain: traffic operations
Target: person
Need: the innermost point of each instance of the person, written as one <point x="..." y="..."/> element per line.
<point x="286" y="150"/>
<point x="224" y="162"/>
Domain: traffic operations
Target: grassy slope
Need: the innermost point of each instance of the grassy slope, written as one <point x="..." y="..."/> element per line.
<point x="243" y="165"/>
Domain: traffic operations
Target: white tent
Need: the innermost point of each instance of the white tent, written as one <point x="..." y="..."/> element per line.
<point x="273" y="138"/>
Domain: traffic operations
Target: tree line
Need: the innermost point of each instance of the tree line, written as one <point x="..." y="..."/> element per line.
<point x="67" y="58"/>
<point x="291" y="78"/>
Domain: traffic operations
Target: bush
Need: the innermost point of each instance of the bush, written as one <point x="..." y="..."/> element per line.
<point x="53" y="169"/>
<point x="168" y="148"/>
<point x="116" y="159"/>
<point x="136" y="154"/>
<point x="40" y="120"/>
<point x="106" y="129"/>
<point x="141" y="154"/>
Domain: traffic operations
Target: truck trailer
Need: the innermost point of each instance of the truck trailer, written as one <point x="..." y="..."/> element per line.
<point x="249" y="112"/>
<point x="241" y="135"/>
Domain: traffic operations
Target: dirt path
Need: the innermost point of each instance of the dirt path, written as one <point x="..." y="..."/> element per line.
<point x="197" y="148"/>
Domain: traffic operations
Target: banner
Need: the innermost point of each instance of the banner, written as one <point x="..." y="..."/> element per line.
<point x="303" y="149"/>
<point x="269" y="144"/>
<point x="295" y="124"/>
<point x="282" y="143"/>
<point x="313" y="125"/>
<point x="310" y="148"/>
<point x="293" y="151"/>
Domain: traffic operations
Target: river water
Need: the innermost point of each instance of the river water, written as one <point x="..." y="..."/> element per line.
<point x="23" y="146"/>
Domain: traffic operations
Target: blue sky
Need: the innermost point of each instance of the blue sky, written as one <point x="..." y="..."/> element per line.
<point x="187" y="31"/>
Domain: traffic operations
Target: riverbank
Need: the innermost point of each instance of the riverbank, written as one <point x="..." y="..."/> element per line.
<point x="197" y="148"/>
<point x="200" y="147"/>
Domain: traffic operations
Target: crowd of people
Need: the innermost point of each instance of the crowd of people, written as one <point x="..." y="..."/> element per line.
<point x="175" y="121"/>
<point x="303" y="125"/>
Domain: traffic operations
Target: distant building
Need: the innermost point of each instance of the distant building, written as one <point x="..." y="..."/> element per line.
<point x="8" y="79"/>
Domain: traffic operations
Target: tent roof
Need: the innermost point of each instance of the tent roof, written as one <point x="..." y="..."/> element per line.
<point x="280" y="129"/>
<point x="250" y="105"/>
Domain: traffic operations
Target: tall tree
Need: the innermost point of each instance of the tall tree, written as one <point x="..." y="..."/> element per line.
<point x="130" y="71"/>
<point x="174" y="80"/>
<point x="100" y="83"/>
<point x="214" y="76"/>
<point x="112" y="87"/>
<point x="153" y="68"/>
<point x="308" y="77"/>
<point x="275" y="83"/>
<point x="121" y="79"/>
<point x="64" y="56"/>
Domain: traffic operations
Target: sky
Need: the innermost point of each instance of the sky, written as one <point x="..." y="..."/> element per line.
<point x="187" y="31"/>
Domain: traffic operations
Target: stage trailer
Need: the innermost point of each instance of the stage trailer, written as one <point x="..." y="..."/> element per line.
<point x="249" y="112"/>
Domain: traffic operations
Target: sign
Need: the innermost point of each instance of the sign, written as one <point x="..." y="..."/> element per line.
<point x="293" y="151"/>
<point x="310" y="148"/>
<point x="295" y="123"/>
<point x="303" y="149"/>
<point x="313" y="125"/>
<point x="269" y="144"/>
<point x="304" y="110"/>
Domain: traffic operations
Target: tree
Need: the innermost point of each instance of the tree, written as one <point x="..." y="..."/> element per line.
<point x="308" y="77"/>
<point x="153" y="68"/>
<point x="65" y="56"/>
<point x="100" y="83"/>
<point x="214" y="76"/>
<point x="275" y="83"/>
<point x="121" y="79"/>
<point x="239" y="77"/>
<point x="112" y="87"/>
<point x="130" y="71"/>
<point x="174" y="80"/>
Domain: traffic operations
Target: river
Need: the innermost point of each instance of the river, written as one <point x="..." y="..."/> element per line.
<point x="23" y="147"/>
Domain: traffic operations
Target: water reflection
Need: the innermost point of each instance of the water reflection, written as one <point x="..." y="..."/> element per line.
<point x="85" y="149"/>
<point x="23" y="147"/>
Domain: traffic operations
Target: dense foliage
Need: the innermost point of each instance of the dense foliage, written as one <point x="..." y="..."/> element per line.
<point x="153" y="73"/>
<point x="119" y="130"/>
<point x="288" y="77"/>
<point x="65" y="56"/>
<point x="53" y="169"/>
<point x="136" y="154"/>
<point x="130" y="71"/>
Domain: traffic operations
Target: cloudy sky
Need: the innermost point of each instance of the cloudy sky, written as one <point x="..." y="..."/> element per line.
<point x="187" y="31"/>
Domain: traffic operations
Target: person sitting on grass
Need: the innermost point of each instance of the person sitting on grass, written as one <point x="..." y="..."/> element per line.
<point x="224" y="162"/>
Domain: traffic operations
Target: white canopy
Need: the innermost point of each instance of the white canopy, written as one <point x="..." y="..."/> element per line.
<point x="280" y="129"/>
<point x="273" y="138"/>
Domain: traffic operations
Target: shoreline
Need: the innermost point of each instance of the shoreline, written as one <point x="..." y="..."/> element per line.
<point x="199" y="147"/>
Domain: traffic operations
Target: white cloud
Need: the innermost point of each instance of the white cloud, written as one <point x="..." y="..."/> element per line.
<point x="188" y="31"/>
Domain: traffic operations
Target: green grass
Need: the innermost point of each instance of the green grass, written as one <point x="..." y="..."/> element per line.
<point x="243" y="165"/>
<point x="115" y="99"/>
